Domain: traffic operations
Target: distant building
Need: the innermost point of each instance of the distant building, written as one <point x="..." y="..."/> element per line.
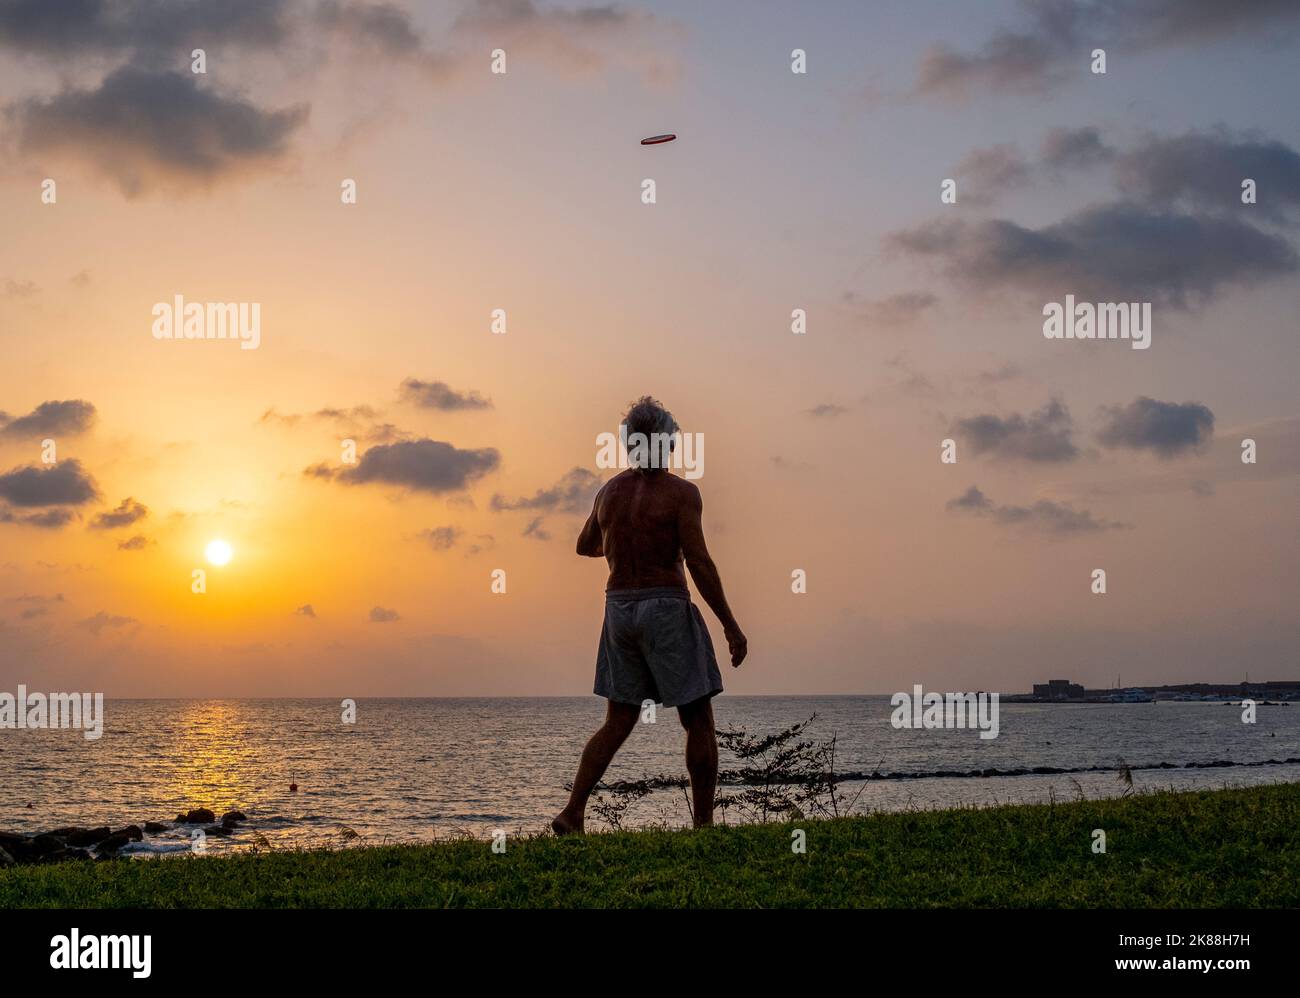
<point x="1058" y="689"/>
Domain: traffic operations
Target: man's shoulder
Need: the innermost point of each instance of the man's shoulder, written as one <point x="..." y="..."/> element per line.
<point x="686" y="490"/>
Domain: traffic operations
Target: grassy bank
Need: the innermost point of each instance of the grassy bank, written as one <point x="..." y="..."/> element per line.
<point x="1233" y="848"/>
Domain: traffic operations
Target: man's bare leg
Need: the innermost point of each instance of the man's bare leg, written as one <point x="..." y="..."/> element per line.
<point x="620" y="719"/>
<point x="701" y="757"/>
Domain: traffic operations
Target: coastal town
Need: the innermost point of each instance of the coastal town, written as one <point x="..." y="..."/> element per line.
<point x="1064" y="691"/>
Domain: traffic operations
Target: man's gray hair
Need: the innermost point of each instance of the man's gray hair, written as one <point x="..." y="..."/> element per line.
<point x="648" y="417"/>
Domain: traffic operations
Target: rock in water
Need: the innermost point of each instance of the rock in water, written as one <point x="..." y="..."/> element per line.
<point x="89" y="836"/>
<point x="114" y="842"/>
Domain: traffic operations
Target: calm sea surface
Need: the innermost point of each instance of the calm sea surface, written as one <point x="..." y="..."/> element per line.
<point x="419" y="768"/>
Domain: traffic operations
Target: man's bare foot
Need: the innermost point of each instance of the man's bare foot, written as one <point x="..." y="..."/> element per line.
<point x="563" y="826"/>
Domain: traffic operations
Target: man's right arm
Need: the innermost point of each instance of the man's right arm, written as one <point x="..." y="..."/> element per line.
<point x="590" y="541"/>
<point x="704" y="572"/>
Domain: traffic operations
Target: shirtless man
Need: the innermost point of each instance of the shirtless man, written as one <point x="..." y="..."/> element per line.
<point x="654" y="644"/>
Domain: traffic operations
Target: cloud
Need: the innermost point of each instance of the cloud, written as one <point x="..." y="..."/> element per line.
<point x="577" y="42"/>
<point x="50" y="519"/>
<point x="52" y="419"/>
<point x="357" y="421"/>
<point x="573" y="493"/>
<point x="826" y="410"/>
<point x="20" y="289"/>
<point x="1115" y="252"/>
<point x="1167" y="428"/>
<point x="144" y="129"/>
<point x="535" y="531"/>
<point x="128" y="512"/>
<point x="421" y="465"/>
<point x="438" y="395"/>
<point x="383" y="31"/>
<point x="1042" y="436"/>
<point x="1207" y="170"/>
<point x="482" y="542"/>
<point x="71" y="28"/>
<point x="1072" y="148"/>
<point x="1056" y="37"/>
<point x="306" y="611"/>
<point x="137" y="543"/>
<point x="442" y="538"/>
<point x="64" y="484"/>
<point x="1046" y="516"/>
<point x="106" y="621"/>
<point x="1009" y="371"/>
<point x="897" y="310"/>
<point x="381" y="615"/>
<point x="986" y="173"/>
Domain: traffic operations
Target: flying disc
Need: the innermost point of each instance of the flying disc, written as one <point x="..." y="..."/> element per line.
<point x="655" y="140"/>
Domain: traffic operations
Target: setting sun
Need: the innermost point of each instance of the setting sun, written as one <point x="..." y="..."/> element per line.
<point x="219" y="552"/>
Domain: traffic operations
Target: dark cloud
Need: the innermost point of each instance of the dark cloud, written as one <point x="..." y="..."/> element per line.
<point x="1112" y="252"/>
<point x="1057" y="519"/>
<point x="535" y="531"/>
<point x="64" y="484"/>
<point x="986" y="173"/>
<point x="423" y="465"/>
<point x="383" y="25"/>
<point x="137" y="543"/>
<point x="482" y="542"/>
<point x="1042" y="436"/>
<point x="128" y="512"/>
<point x="826" y="410"/>
<point x="571" y="494"/>
<point x="382" y="615"/>
<point x="144" y="129"/>
<point x="106" y="621"/>
<point x="1207" y="170"/>
<point x="49" y="519"/>
<point x="442" y="538"/>
<point x="1069" y="148"/>
<point x="1055" y="38"/>
<point x="144" y="28"/>
<point x="1167" y="428"/>
<point x="439" y="395"/>
<point x="52" y="419"/>
<point x="306" y="611"/>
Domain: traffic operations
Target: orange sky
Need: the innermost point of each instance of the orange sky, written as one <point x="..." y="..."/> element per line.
<point x="522" y="192"/>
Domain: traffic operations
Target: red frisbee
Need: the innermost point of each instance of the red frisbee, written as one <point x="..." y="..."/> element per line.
<point x="655" y="140"/>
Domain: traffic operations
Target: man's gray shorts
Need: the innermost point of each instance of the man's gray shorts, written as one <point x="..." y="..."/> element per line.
<point x="654" y="646"/>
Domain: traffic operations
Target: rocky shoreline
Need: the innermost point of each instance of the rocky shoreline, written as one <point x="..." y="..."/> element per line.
<point x="102" y="842"/>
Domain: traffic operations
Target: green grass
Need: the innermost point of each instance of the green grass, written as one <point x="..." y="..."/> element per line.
<point x="1231" y="848"/>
